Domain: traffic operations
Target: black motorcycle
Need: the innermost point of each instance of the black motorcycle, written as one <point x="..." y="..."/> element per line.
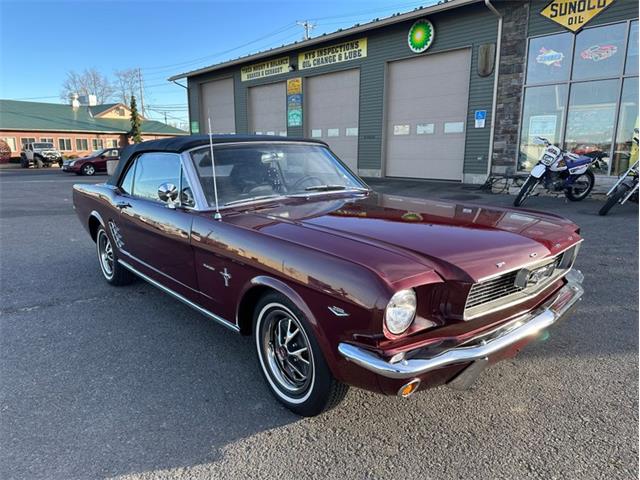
<point x="626" y="188"/>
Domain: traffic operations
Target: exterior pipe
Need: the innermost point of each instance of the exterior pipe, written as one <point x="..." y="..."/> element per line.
<point x="496" y="76"/>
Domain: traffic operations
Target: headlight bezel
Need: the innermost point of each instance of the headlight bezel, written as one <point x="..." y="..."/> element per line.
<point x="548" y="159"/>
<point x="400" y="312"/>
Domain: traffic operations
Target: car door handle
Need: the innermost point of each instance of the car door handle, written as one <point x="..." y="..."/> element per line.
<point x="123" y="205"/>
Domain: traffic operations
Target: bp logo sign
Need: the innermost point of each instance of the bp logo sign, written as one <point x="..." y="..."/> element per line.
<point x="421" y="36"/>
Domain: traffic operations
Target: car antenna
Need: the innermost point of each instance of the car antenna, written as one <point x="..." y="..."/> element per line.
<point x="217" y="216"/>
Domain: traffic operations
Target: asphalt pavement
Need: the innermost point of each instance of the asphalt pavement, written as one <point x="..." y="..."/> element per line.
<point x="104" y="382"/>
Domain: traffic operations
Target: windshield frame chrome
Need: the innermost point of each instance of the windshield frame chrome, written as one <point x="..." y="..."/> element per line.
<point x="200" y="197"/>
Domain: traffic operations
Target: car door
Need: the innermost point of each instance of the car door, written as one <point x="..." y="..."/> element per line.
<point x="155" y="234"/>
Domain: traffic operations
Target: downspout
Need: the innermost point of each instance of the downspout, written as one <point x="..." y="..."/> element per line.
<point x="496" y="76"/>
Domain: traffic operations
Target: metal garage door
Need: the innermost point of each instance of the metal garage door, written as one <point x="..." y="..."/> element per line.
<point x="217" y="102"/>
<point x="267" y="109"/>
<point x="332" y="110"/>
<point x="426" y="115"/>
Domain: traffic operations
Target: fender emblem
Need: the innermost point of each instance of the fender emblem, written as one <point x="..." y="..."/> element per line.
<point x="338" y="312"/>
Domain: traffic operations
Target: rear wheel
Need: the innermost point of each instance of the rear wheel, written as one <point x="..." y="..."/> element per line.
<point x="292" y="363"/>
<point x="88" y="169"/>
<point x="112" y="271"/>
<point x="613" y="199"/>
<point x="581" y="187"/>
<point x="525" y="191"/>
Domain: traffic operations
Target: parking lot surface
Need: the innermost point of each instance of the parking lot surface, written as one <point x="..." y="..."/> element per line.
<point x="103" y="382"/>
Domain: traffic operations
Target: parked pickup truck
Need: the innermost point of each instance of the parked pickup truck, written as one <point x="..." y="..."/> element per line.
<point x="42" y="151"/>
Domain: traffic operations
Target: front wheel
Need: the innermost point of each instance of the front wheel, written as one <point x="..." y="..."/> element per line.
<point x="613" y="199"/>
<point x="525" y="191"/>
<point x="581" y="187"/>
<point x="88" y="170"/>
<point x="292" y="363"/>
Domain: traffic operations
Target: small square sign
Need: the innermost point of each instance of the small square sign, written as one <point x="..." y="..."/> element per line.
<point x="481" y="117"/>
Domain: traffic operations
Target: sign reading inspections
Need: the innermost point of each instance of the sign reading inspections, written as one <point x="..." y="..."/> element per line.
<point x="265" y="69"/>
<point x="342" y="52"/>
<point x="574" y="14"/>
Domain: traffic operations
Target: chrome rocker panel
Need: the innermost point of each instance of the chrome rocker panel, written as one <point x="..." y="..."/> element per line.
<point x="483" y="346"/>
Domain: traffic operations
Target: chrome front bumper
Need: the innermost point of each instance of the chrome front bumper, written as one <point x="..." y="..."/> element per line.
<point x="479" y="348"/>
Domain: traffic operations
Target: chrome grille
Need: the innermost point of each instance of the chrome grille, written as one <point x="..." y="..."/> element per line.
<point x="493" y="289"/>
<point x="509" y="288"/>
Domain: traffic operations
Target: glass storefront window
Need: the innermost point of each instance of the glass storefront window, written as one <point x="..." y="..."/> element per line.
<point x="632" y="50"/>
<point x="627" y="121"/>
<point x="543" y="114"/>
<point x="591" y="119"/>
<point x="549" y="58"/>
<point x="599" y="52"/>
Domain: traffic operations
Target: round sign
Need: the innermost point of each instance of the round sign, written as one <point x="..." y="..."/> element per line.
<point x="420" y="36"/>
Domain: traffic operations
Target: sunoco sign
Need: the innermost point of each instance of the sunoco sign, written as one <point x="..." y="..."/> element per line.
<point x="574" y="14"/>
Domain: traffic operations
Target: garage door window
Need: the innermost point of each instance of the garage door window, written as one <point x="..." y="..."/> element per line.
<point x="579" y="94"/>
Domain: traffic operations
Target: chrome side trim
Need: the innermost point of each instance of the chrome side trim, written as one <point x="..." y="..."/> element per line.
<point x="478" y="348"/>
<point x="177" y="296"/>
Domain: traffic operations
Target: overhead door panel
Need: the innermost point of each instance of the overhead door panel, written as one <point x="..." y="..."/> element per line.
<point x="332" y="111"/>
<point x="217" y="103"/>
<point x="426" y="115"/>
<point x="268" y="109"/>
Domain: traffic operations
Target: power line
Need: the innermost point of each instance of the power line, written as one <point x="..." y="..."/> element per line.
<point x="195" y="60"/>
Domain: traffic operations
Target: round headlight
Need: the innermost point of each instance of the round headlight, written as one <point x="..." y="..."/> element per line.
<point x="400" y="311"/>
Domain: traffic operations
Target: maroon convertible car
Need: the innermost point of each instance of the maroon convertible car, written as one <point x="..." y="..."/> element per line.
<point x="338" y="286"/>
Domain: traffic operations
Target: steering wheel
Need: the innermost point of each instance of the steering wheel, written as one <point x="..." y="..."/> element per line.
<point x="306" y="178"/>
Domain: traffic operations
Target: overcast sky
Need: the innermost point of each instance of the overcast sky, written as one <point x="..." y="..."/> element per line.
<point x="41" y="41"/>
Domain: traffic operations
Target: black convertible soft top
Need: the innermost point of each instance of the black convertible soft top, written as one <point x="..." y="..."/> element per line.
<point x="187" y="142"/>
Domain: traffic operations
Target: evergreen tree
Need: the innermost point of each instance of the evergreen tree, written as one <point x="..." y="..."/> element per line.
<point x="135" y="134"/>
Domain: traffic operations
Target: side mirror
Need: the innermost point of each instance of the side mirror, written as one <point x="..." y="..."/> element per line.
<point x="168" y="192"/>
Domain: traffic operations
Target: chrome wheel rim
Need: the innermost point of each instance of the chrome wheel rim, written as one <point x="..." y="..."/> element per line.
<point x="286" y="351"/>
<point x="89" y="170"/>
<point x="105" y="254"/>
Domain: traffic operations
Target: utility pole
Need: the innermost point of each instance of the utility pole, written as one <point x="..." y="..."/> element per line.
<point x="165" y="118"/>
<point x="141" y="92"/>
<point x="308" y="26"/>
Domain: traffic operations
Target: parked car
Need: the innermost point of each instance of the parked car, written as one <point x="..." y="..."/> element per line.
<point x="337" y="285"/>
<point x="44" y="152"/>
<point x="95" y="162"/>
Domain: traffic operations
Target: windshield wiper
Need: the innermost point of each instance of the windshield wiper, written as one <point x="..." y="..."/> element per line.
<point x="324" y="188"/>
<point x="252" y="199"/>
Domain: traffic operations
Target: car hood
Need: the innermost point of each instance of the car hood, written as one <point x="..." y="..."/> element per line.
<point x="459" y="241"/>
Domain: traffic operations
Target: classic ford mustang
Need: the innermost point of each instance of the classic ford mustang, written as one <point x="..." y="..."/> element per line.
<point x="338" y="286"/>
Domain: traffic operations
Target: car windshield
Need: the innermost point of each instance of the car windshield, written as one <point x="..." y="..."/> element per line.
<point x="43" y="145"/>
<point x="253" y="172"/>
<point x="97" y="153"/>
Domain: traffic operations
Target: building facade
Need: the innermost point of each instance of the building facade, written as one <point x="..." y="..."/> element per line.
<point x="75" y="131"/>
<point x="414" y="95"/>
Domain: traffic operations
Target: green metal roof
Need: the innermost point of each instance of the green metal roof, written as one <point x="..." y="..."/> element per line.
<point x="57" y="117"/>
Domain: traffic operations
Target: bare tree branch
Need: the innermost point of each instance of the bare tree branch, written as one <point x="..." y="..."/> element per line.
<point x="127" y="83"/>
<point x="89" y="82"/>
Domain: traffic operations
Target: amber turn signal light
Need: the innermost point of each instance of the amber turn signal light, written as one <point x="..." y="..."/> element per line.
<point x="409" y="388"/>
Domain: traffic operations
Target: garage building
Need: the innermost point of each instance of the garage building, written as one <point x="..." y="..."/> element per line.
<point x="414" y="95"/>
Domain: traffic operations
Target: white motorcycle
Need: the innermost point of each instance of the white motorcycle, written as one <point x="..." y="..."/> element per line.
<point x="558" y="170"/>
